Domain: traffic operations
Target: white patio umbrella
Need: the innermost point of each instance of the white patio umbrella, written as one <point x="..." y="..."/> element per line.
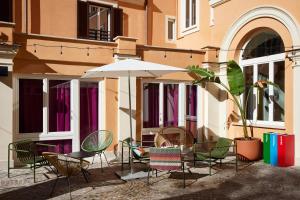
<point x="131" y="68"/>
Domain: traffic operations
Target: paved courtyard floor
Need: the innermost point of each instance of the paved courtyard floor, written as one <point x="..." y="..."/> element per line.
<point x="252" y="181"/>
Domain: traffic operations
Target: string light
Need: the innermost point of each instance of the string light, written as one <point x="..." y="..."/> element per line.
<point x="291" y="49"/>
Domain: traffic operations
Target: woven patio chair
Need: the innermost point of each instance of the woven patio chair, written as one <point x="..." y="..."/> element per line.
<point x="166" y="159"/>
<point x="173" y="136"/>
<point x="26" y="152"/>
<point x="65" y="166"/>
<point x="97" y="142"/>
<point x="219" y="151"/>
<point x="138" y="152"/>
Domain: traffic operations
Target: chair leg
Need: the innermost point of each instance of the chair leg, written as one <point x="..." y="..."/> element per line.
<point x="8" y="162"/>
<point x="101" y="161"/>
<point x="34" y="171"/>
<point x="54" y="186"/>
<point x="106" y="159"/>
<point x="84" y="175"/>
<point x="183" y="175"/>
<point x="69" y="187"/>
<point x="156" y="173"/>
<point x="209" y="166"/>
<point x="94" y="158"/>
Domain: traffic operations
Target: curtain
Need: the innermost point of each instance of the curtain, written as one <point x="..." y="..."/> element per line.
<point x="191" y="110"/>
<point x="59" y="105"/>
<point x="170" y="105"/>
<point x="150" y="105"/>
<point x="30" y="106"/>
<point x="88" y="109"/>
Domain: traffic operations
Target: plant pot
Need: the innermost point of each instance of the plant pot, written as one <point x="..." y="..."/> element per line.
<point x="249" y="149"/>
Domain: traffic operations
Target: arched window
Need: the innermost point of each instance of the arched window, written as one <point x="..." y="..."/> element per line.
<point x="263" y="59"/>
<point x="263" y="44"/>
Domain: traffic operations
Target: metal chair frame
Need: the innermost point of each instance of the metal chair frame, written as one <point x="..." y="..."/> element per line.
<point x="26" y="153"/>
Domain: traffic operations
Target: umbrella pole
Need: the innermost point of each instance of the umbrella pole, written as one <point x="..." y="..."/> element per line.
<point x="130" y="121"/>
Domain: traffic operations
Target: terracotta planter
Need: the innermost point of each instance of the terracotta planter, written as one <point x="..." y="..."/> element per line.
<point x="250" y="149"/>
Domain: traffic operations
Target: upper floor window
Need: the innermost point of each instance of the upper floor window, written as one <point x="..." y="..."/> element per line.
<point x="190" y="13"/>
<point x="99" y="22"/>
<point x="171" y="29"/>
<point x="6" y="10"/>
<point x="189" y="16"/>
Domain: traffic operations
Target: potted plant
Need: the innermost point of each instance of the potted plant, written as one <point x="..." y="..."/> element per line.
<point x="248" y="148"/>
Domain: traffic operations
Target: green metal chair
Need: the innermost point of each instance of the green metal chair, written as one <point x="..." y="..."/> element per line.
<point x="134" y="150"/>
<point x="218" y="152"/>
<point x="26" y="152"/>
<point x="97" y="142"/>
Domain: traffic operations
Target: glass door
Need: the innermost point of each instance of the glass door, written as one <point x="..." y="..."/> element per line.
<point x="191" y="110"/>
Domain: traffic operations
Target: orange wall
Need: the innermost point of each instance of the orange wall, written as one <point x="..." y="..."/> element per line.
<point x="225" y="17"/>
<point x="134" y="21"/>
<point x="48" y="57"/>
<point x="6" y="32"/>
<point x="161" y="9"/>
<point x="111" y="117"/>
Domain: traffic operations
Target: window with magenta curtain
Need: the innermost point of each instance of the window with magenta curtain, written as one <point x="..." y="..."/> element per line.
<point x="170" y="105"/>
<point x="150" y="105"/>
<point x="88" y="108"/>
<point x="59" y="105"/>
<point x="191" y="109"/>
<point x="30" y="106"/>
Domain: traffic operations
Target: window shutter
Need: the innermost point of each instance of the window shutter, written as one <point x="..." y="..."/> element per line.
<point x="82" y="19"/>
<point x="6" y="10"/>
<point x="117" y="22"/>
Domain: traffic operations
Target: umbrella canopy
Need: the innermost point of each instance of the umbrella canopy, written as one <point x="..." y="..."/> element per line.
<point x="133" y="68"/>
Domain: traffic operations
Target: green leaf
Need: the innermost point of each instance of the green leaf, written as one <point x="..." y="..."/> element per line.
<point x="202" y="72"/>
<point x="235" y="78"/>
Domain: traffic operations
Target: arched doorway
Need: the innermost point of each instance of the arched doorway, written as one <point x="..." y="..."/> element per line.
<point x="263" y="58"/>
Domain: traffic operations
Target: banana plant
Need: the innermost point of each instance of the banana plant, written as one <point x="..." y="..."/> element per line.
<point x="235" y="87"/>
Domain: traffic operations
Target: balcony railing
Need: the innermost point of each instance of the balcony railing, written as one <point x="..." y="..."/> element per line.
<point x="101" y="35"/>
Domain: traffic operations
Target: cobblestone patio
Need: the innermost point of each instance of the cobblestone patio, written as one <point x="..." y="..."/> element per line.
<point x="252" y="181"/>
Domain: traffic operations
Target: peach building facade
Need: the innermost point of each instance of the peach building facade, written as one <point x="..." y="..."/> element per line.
<point x="47" y="45"/>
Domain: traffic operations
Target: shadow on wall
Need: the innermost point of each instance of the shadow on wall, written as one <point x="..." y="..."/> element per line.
<point x="219" y="94"/>
<point x="206" y="134"/>
<point x="3" y="37"/>
<point x="7" y="80"/>
<point x="126" y="110"/>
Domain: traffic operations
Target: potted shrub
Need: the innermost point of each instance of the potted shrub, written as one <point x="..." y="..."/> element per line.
<point x="248" y="148"/>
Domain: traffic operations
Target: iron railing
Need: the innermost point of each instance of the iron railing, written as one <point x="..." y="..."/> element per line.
<point x="102" y="35"/>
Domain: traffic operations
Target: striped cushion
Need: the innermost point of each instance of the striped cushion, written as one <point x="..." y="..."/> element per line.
<point x="165" y="158"/>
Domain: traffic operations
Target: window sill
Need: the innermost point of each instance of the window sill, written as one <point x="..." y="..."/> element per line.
<point x="190" y="30"/>
<point x="260" y="125"/>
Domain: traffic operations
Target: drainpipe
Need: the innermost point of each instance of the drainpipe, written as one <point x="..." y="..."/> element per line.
<point x="26" y="17"/>
<point x="146" y="13"/>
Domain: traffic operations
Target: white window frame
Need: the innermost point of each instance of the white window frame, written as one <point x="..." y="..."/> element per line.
<point x="167" y="19"/>
<point x="192" y="28"/>
<point x="270" y="60"/>
<point x="74" y="133"/>
<point x="181" y="103"/>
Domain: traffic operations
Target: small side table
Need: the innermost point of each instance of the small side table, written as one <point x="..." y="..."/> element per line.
<point x="81" y="155"/>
